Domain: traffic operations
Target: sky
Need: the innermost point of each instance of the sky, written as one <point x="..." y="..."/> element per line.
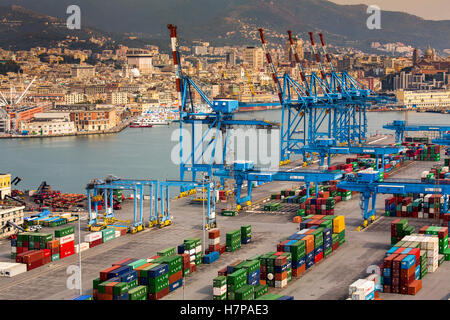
<point x="427" y="9"/>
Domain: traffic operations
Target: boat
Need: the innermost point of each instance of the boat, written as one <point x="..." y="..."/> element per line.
<point x="158" y="121"/>
<point x="141" y="123"/>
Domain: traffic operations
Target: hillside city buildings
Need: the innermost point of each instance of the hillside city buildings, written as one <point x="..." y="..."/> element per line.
<point x="83" y="91"/>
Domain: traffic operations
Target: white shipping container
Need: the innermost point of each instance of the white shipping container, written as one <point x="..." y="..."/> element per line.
<point x="117" y="234"/>
<point x="198" y="249"/>
<point x="13" y="269"/>
<point x="220" y="291"/>
<point x="214" y="241"/>
<point x="354" y="286"/>
<point x="66" y="239"/>
<point x="281" y="284"/>
<point x="92" y="236"/>
<point x="366" y="287"/>
<point x="14" y="249"/>
<point x="191" y="258"/>
<point x="84" y="246"/>
<point x="358" y="296"/>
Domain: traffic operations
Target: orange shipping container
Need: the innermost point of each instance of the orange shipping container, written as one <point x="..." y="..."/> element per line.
<point x="309" y="245"/>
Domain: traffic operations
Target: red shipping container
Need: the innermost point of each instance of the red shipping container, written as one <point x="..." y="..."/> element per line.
<point x="68" y="245"/>
<point x="159" y="295"/>
<point x="193" y="267"/>
<point x="318" y="257"/>
<point x="121" y="262"/>
<point x="95" y="243"/>
<point x="104" y="273"/>
<point x="175" y="277"/>
<point x="280" y="261"/>
<point x="19" y="249"/>
<point x="414" y="287"/>
<point x="33" y="256"/>
<point x="280" y="276"/>
<point x="215" y="247"/>
<point x="443" y="232"/>
<point x="34" y="265"/>
<point x="47" y="252"/>
<point x="222" y="249"/>
<point x="110" y="287"/>
<point x="214" y="233"/>
<point x="66" y="253"/>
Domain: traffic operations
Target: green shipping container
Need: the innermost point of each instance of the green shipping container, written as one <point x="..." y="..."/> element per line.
<point x="64" y="231"/>
<point x="219" y="281"/>
<point x="137" y="293"/>
<point x="167" y="252"/>
<point x="222" y="297"/>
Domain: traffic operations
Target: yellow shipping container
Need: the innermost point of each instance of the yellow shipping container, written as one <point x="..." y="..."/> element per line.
<point x="338" y="224"/>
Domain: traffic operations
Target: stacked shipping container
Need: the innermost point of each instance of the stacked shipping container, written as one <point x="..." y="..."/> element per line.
<point x="319" y="236"/>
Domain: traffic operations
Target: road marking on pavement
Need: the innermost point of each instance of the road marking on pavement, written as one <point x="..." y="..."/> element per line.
<point x="383" y="138"/>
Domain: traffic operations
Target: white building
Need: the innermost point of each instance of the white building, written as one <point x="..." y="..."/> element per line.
<point x="254" y="57"/>
<point x="424" y="99"/>
<point x="73" y="98"/>
<point x="83" y="71"/>
<point x="141" y="60"/>
<point x="5" y="123"/>
<point x="51" y="123"/>
<point x="117" y="97"/>
<point x="13" y="214"/>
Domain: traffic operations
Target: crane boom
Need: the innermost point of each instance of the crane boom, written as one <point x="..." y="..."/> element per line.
<point x="298" y="64"/>
<point x="271" y="65"/>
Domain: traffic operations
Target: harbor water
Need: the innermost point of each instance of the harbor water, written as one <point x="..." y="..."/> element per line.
<point x="69" y="163"/>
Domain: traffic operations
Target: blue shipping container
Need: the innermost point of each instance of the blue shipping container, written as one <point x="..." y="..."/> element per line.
<point x="177" y="284"/>
<point x="158" y="270"/>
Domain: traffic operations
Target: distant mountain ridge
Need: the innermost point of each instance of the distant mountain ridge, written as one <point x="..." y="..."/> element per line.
<point x="231" y="21"/>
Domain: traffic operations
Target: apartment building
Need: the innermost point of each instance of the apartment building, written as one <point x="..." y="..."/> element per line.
<point x="52" y="123"/>
<point x="424" y="99"/>
<point x="117" y="97"/>
<point x="12" y="214"/>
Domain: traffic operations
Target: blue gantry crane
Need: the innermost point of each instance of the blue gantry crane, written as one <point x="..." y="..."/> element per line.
<point x="400" y="127"/>
<point x="367" y="183"/>
<point x="137" y="187"/>
<point x="245" y="172"/>
<point x="208" y="146"/>
<point x="332" y="106"/>
<point x="208" y="185"/>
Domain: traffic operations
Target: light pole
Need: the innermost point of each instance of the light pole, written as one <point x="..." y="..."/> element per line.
<point x="79" y="253"/>
<point x="203" y="215"/>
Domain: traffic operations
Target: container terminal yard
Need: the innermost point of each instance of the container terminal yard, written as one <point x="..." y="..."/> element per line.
<point x="308" y="230"/>
<point x="328" y="280"/>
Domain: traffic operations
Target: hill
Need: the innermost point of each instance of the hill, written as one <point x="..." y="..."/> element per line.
<point x="236" y="21"/>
